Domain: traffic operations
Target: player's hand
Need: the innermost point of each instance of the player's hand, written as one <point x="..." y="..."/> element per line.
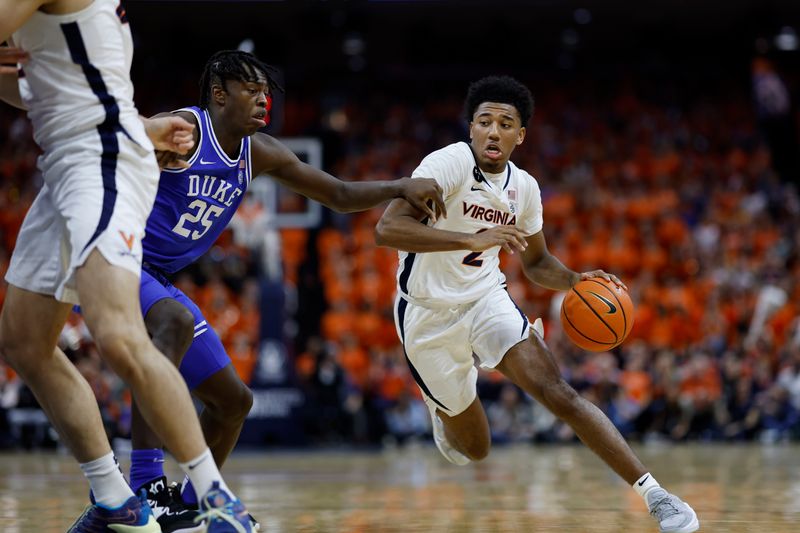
<point x="425" y="195"/>
<point x="605" y="275"/>
<point x="170" y="133"/>
<point x="167" y="159"/>
<point x="510" y="238"/>
<point x="9" y="57"/>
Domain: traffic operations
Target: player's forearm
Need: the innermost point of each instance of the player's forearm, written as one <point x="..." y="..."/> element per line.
<point x="361" y="195"/>
<point x="551" y="273"/>
<point x="409" y="235"/>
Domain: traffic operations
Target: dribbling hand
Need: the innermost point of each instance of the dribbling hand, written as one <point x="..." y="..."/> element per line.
<point x="605" y="275"/>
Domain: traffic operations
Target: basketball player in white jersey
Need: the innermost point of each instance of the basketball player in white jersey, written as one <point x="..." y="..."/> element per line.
<point x="81" y="243"/>
<point x="452" y="302"/>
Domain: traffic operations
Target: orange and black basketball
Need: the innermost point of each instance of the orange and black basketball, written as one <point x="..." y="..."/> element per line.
<point x="597" y="315"/>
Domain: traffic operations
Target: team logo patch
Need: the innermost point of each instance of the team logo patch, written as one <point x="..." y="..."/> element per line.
<point x="512" y="201"/>
<point x="128" y="240"/>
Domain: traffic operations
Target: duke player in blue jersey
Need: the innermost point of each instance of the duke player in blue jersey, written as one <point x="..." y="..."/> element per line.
<point x="193" y="206"/>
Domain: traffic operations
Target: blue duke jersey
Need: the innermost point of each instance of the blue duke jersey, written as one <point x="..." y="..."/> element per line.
<point x="194" y="205"/>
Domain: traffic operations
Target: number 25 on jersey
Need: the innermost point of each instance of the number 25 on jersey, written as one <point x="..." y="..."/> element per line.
<point x="205" y="214"/>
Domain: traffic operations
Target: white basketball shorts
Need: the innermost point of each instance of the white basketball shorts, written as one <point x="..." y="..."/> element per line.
<point x="440" y="343"/>
<point x="98" y="193"/>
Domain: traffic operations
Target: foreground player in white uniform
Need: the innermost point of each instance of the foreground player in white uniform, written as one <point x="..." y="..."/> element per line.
<point x="81" y="243"/>
<point x="452" y="301"/>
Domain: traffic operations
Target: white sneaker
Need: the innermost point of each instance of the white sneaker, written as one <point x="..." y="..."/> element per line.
<point x="673" y="514"/>
<point x="538" y="327"/>
<point x="450" y="453"/>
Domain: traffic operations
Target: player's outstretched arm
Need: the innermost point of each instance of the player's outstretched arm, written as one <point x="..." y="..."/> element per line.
<point x="543" y="268"/>
<point x="9" y="85"/>
<point x="272" y="157"/>
<point x="405" y="227"/>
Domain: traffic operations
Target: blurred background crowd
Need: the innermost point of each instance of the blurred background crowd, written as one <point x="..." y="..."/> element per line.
<point x="673" y="165"/>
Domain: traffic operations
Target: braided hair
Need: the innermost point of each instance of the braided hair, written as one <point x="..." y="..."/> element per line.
<point x="234" y="65"/>
<point x="502" y="90"/>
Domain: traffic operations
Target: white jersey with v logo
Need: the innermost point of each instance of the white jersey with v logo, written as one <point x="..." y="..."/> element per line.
<point x="475" y="201"/>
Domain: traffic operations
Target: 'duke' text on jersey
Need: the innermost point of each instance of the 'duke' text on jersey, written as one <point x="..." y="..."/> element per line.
<point x="196" y="188"/>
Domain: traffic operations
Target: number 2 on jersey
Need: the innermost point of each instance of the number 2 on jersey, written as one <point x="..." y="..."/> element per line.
<point x="203" y="215"/>
<point x="471" y="259"/>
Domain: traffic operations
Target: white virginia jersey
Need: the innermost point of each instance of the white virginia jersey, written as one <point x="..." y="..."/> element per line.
<point x="78" y="75"/>
<point x="475" y="201"/>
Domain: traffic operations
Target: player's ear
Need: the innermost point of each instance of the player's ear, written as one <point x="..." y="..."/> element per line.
<point x="218" y="94"/>
<point x="521" y="135"/>
<point x="470" y="130"/>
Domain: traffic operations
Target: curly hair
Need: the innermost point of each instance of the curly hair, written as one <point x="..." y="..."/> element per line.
<point x="500" y="89"/>
<point x="234" y="65"/>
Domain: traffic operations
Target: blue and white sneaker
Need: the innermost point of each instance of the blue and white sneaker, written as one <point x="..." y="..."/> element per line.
<point x="133" y="516"/>
<point x="222" y="513"/>
<point x="673" y="514"/>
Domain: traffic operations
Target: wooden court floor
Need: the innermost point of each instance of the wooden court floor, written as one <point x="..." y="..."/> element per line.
<point x="748" y="488"/>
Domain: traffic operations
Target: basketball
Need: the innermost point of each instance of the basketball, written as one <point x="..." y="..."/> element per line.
<point x="597" y="315"/>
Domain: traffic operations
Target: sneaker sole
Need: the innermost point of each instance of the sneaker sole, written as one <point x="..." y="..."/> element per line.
<point x="694" y="525"/>
<point x="193" y="529"/>
<point x="150" y="527"/>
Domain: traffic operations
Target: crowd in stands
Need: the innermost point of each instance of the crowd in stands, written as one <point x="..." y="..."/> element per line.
<point x="678" y="197"/>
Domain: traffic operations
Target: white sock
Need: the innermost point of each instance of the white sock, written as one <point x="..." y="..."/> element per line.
<point x="645" y="484"/>
<point x="108" y="484"/>
<point x="203" y="471"/>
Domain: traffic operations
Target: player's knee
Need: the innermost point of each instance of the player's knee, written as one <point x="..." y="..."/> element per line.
<point x="119" y="348"/>
<point x="21" y="353"/>
<point x="244" y="403"/>
<point x="234" y="406"/>
<point x="14" y="353"/>
<point x="9" y="350"/>
<point x="477" y="449"/>
<point x="478" y="452"/>
<point x="172" y="330"/>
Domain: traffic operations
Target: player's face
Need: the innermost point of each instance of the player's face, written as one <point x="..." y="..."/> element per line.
<point x="246" y="104"/>
<point x="496" y="129"/>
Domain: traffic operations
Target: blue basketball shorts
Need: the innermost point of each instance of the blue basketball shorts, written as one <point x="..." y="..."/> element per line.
<point x="206" y="356"/>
